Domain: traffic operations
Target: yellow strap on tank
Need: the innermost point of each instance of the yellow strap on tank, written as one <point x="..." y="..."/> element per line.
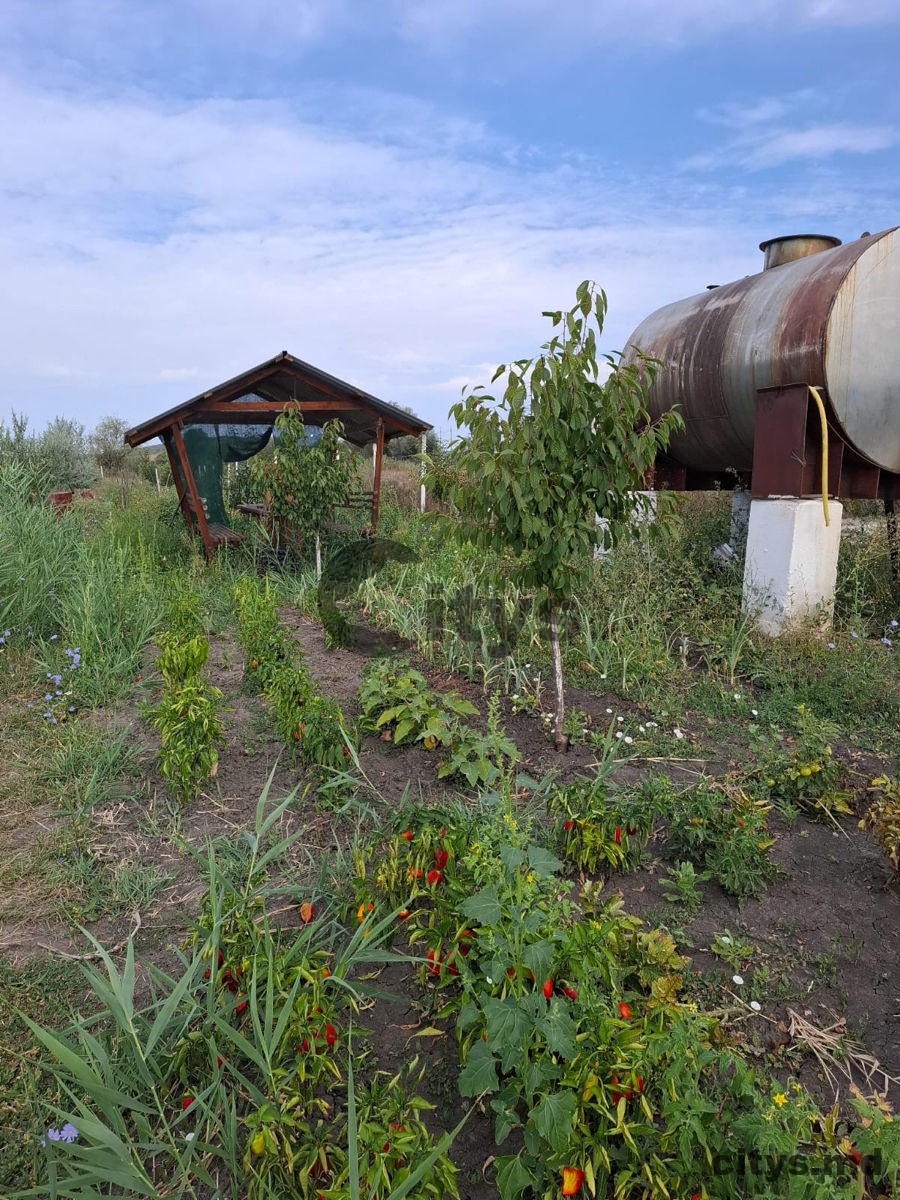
<point x="816" y="395"/>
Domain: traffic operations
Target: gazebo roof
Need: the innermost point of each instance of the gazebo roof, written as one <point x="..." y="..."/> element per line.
<point x="258" y="396"/>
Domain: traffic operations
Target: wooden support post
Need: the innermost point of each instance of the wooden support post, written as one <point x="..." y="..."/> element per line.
<point x="423" y="449"/>
<point x="193" y="495"/>
<point x="376" y="475"/>
<point x="180" y="489"/>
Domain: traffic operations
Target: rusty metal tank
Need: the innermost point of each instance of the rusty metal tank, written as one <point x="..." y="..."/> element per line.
<point x="826" y="314"/>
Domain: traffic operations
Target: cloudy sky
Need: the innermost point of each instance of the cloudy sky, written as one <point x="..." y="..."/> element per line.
<point x="395" y="189"/>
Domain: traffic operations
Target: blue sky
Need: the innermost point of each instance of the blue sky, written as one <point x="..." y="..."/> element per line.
<point x="395" y="189"/>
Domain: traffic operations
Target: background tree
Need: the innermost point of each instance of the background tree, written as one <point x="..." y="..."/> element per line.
<point x="112" y="454"/>
<point x="535" y="470"/>
<point x="307" y="479"/>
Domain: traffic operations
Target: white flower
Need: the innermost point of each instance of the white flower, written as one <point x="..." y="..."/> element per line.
<point x="753" y="712"/>
<point x="609" y="710"/>
<point x="641" y="729"/>
<point x="756" y="1006"/>
<point x="489" y="980"/>
<point x="737" y="695"/>
<point x="189" y="1137"/>
<point x="725" y="939"/>
<point x="651" y="724"/>
<point x="628" y="740"/>
<point x="678" y="733"/>
<point x="620" y="719"/>
<point x="603" y="676"/>
<point x="619" y="734"/>
<point x="738" y="979"/>
<point x="515" y="695"/>
<point x="527" y="665"/>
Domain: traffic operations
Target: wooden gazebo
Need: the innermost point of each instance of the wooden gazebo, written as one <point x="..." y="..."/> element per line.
<point x="255" y="398"/>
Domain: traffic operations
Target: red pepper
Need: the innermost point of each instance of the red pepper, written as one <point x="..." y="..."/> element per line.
<point x="330" y="1034"/>
<point x="547" y="989"/>
<point x="617" y="836"/>
<point x="572" y="1179"/>
<point x="407" y="836"/>
<point x="440" y="859"/>
<point x="186" y="1103"/>
<point x="570" y="992"/>
<point x="240" y="1006"/>
<point x="624" y="1011"/>
<point x="568" y="825"/>
<point x="434" y="958"/>
<point x="433" y="878"/>
<point x="402" y="914"/>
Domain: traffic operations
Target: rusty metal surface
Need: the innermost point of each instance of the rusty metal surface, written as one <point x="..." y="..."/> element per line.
<point x="797" y="323"/>
<point x="781" y="250"/>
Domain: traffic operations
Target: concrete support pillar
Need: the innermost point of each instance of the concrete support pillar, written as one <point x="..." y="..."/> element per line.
<point x="790" y="569"/>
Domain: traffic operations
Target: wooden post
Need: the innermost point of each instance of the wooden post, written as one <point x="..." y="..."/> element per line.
<point x="178" y="481"/>
<point x="158" y="484"/>
<point x="423" y="449"/>
<point x="193" y="494"/>
<point x="378" y="449"/>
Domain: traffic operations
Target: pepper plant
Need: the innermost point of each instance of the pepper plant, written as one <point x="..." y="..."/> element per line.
<point x="552" y="470"/>
<point x="186" y="717"/>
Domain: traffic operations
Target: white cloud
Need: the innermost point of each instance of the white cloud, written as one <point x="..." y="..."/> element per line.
<point x="820" y="142"/>
<point x="439" y="24"/>
<point x="154" y="245"/>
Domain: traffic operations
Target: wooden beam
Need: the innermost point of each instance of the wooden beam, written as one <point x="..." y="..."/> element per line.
<point x="270" y="407"/>
<point x="193" y="494"/>
<point x="177" y="480"/>
<point x="376" y="477"/>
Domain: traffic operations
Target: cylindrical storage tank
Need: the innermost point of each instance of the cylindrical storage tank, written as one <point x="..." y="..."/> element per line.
<point x="829" y="319"/>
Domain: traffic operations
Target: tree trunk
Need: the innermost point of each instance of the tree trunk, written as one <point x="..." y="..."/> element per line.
<point x="561" y="741"/>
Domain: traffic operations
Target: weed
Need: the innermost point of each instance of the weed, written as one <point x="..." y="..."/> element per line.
<point x="681" y="886"/>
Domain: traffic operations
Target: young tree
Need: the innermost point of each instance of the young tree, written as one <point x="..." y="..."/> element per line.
<point x="307" y="479"/>
<point x="111" y="452"/>
<point x="562" y="448"/>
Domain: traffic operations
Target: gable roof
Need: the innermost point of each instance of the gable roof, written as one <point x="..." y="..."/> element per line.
<point x="257" y="397"/>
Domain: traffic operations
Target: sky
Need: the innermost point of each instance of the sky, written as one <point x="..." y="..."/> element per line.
<point x="394" y="190"/>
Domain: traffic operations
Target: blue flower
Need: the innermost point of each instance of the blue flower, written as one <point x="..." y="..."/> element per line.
<point x="831" y="645"/>
<point x="53" y="637"/>
<point x="886" y="642"/>
<point x="854" y="634"/>
<point x="68" y="1133"/>
<point x="891" y="625"/>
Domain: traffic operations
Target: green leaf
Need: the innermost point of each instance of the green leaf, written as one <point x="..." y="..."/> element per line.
<point x="483" y="908"/>
<point x="553" y="1118"/>
<point x="513" y="1177"/>
<point x="508" y="1025"/>
<point x="542" y="862"/>
<point x="480" y="1072"/>
<point x="511" y="857"/>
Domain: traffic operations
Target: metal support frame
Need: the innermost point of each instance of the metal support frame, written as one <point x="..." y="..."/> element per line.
<point x="787" y="451"/>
